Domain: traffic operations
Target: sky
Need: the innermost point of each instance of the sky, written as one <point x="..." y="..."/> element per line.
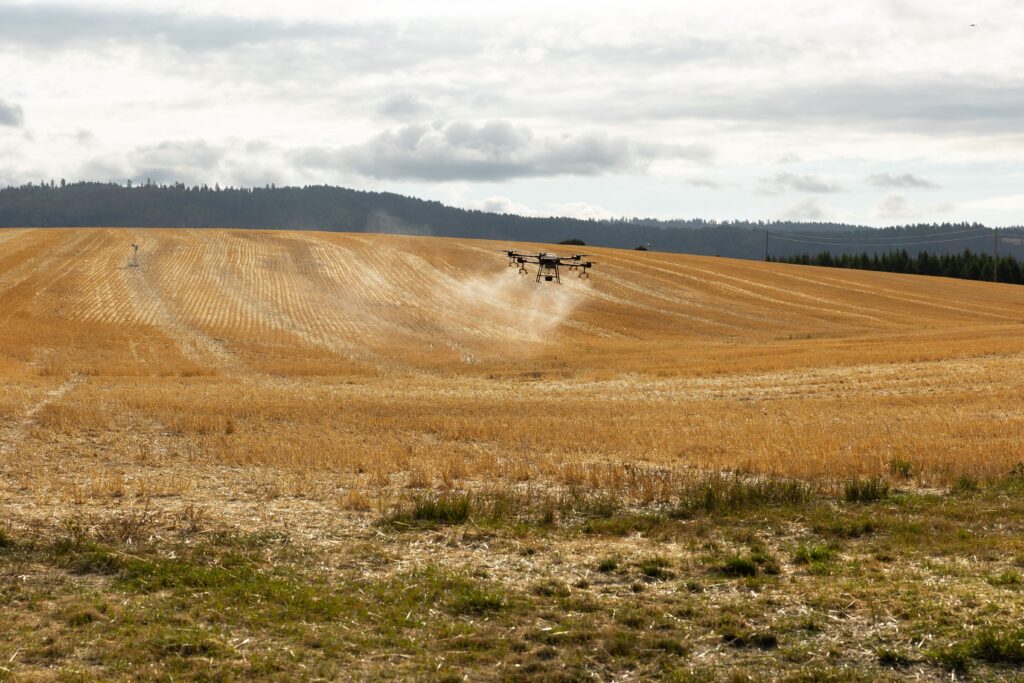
<point x="876" y="112"/>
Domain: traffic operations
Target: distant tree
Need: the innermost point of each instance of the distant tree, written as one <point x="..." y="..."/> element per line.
<point x="574" y="242"/>
<point x="966" y="266"/>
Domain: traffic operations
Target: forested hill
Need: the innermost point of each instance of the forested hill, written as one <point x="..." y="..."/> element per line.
<point x="340" y="209"/>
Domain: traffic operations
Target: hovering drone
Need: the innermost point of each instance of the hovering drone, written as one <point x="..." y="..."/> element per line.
<point x="548" y="264"/>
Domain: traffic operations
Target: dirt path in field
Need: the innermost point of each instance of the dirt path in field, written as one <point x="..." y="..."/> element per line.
<point x="13" y="433"/>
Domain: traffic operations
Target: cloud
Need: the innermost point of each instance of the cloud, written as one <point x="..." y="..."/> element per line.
<point x="11" y="114"/>
<point x="498" y="204"/>
<point x="895" y="207"/>
<point x="904" y="103"/>
<point x="170" y="161"/>
<point x="799" y="183"/>
<point x="581" y="210"/>
<point x="807" y="210"/>
<point x="905" y="180"/>
<point x="403" y="106"/>
<point x="703" y="182"/>
<point x="189" y="161"/>
<point x="53" y="25"/>
<point x="491" y="151"/>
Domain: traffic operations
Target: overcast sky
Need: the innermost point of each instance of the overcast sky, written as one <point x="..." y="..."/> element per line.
<point x="877" y="111"/>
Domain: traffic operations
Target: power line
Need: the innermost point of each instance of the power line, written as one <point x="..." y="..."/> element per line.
<point x="869" y="244"/>
<point x="983" y="230"/>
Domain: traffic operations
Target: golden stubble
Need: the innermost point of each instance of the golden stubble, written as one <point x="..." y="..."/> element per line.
<point x="358" y="368"/>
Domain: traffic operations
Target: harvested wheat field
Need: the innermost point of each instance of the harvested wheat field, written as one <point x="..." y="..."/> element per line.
<point x="319" y="455"/>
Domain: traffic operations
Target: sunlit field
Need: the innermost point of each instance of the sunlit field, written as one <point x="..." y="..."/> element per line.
<point x="347" y="390"/>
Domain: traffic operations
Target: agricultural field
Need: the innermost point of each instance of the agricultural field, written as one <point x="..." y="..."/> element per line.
<point x="281" y="455"/>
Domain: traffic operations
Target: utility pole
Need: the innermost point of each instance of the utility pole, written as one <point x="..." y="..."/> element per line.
<point x="995" y="255"/>
<point x="766" y="245"/>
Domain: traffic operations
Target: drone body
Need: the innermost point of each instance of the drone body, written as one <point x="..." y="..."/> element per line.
<point x="548" y="264"/>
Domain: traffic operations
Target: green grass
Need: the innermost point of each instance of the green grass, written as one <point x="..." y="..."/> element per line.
<point x="865" y="490"/>
<point x="511" y="598"/>
<point x="1010" y="578"/>
<point x="999" y="647"/>
<point x="810" y="554"/>
<point x="730" y="494"/>
<point x="901" y="467"/>
<point x="452" y="509"/>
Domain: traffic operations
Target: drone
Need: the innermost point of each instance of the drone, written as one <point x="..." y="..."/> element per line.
<point x="548" y="264"/>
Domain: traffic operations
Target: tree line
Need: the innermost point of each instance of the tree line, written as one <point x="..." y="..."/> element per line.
<point x="321" y="207"/>
<point x="966" y="265"/>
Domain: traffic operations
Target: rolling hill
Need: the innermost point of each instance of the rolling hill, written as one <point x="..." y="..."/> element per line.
<point x="837" y="355"/>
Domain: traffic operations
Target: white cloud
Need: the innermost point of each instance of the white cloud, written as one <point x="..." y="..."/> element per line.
<point x="11" y="114"/>
<point x="491" y="151"/>
<point x="905" y="180"/>
<point x="582" y="210"/>
<point x="895" y="207"/>
<point x="807" y="210"/>
<point x="498" y="204"/>
<point x="800" y="183"/>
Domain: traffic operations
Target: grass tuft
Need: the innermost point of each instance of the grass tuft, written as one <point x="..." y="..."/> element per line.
<point x="965" y="484"/>
<point x="6" y="541"/>
<point x="1009" y="578"/>
<point x="999" y="647"/>
<point x="955" y="659"/>
<point x="809" y="554"/>
<point x="900" y="467"/>
<point x="866" y="490"/>
<point x="735" y="493"/>
<point x="476" y="600"/>
<point x="737" y="565"/>
<point x="447" y="509"/>
<point x="893" y="658"/>
<point x="655" y="568"/>
<point x="623" y="525"/>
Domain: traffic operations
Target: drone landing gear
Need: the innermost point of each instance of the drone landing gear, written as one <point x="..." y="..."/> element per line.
<point x="548" y="274"/>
